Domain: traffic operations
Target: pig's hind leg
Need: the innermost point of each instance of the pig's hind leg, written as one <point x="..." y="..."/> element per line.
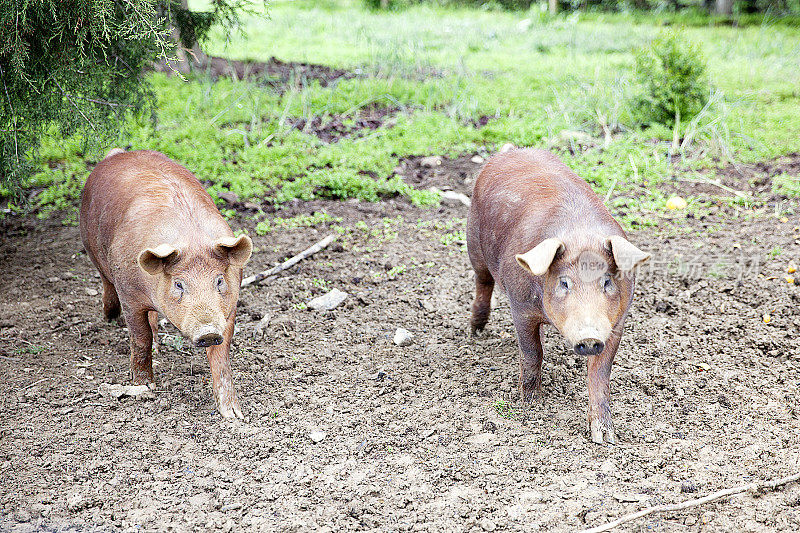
<point x="111" y="307"/>
<point x="482" y="306"/>
<point x="530" y="355"/>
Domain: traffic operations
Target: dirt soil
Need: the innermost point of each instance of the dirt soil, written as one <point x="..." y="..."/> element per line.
<point x="276" y="73"/>
<point x="331" y="129"/>
<point x="427" y="437"/>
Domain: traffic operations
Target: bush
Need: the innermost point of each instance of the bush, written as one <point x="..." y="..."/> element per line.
<point x="672" y="74"/>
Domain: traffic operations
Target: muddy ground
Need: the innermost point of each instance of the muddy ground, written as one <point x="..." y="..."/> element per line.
<point x="428" y="437"/>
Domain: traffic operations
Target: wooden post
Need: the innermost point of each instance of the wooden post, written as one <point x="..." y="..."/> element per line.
<point x="553" y="7"/>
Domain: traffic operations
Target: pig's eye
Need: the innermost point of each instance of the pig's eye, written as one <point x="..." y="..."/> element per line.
<point x="608" y="284"/>
<point x="220" y="284"/>
<point x="564" y="283"/>
<point x="179" y="286"/>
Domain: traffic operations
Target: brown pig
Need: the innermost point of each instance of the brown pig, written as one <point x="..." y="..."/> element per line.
<point x="161" y="246"/>
<point x="541" y="233"/>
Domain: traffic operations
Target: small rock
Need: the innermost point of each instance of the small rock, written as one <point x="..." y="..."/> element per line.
<point x="403" y="337"/>
<point x="481" y="438"/>
<point x="327" y="301"/>
<point x="506" y="147"/>
<point x="477" y="159"/>
<point x="690" y="520"/>
<point x="53" y="279"/>
<point x="229" y="197"/>
<point x="251" y="206"/>
<point x="317" y="436"/>
<point x="430" y="161"/>
<point x="455" y="198"/>
<point x="141" y="392"/>
<point x="78" y="502"/>
<point x="22" y="515"/>
<point x="488" y="525"/>
<point x="489" y="426"/>
<point x="91" y="292"/>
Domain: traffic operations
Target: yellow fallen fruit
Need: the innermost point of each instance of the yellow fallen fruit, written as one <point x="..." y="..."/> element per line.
<point x="789" y="279"/>
<point x="791" y="269"/>
<point x="767" y="319"/>
<point x="676" y="203"/>
<point x="784" y="220"/>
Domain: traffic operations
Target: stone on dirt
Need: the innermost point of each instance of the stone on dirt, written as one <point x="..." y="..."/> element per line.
<point x="452" y="197"/>
<point x="317" y="436"/>
<point x="488" y="525"/>
<point x="506" y="147"/>
<point x="403" y="337"/>
<point x="327" y="301"/>
<point x="229" y="197"/>
<point x="115" y="390"/>
<point x="91" y="292"/>
<point x="430" y="161"/>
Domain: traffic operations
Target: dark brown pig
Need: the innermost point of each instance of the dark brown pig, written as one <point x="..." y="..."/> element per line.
<point x="541" y="233"/>
<point x="161" y="246"/>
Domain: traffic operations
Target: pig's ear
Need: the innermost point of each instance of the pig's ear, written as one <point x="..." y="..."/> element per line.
<point x="152" y="260"/>
<point x="626" y="255"/>
<point x="237" y="249"/>
<point x="539" y="259"/>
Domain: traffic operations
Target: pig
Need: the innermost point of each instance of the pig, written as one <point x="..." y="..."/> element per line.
<point x="161" y="246"/>
<point x="539" y="231"/>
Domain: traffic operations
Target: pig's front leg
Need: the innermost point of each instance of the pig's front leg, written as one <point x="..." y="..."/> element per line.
<point x="141" y="346"/>
<point x="530" y="356"/>
<point x="221" y="379"/>
<point x="601" y="427"/>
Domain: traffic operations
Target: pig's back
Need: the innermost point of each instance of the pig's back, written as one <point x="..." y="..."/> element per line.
<point x="136" y="200"/>
<point x="524" y="196"/>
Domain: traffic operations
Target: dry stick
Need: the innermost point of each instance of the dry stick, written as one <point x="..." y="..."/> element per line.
<point x="289" y="263"/>
<point x="755" y="487"/>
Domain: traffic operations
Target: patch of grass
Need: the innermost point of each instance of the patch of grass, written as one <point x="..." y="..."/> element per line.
<point x="786" y="184"/>
<point x="300" y="221"/>
<point x="30" y="349"/>
<point x="440" y="69"/>
<point x="504" y="408"/>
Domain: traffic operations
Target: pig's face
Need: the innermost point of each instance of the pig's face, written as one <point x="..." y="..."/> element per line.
<point x="197" y="289"/>
<point x="585" y="289"/>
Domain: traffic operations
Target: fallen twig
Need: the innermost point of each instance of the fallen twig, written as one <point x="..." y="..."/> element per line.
<point x="289" y="263"/>
<point x="757" y="486"/>
<point x="725" y="188"/>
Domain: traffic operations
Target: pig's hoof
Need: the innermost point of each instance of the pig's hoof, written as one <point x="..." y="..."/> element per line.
<point x="476" y="330"/>
<point x="231" y="411"/>
<point x="602" y="433"/>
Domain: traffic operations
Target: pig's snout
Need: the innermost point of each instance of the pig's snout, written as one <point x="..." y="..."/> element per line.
<point x="207" y="336"/>
<point x="589" y="347"/>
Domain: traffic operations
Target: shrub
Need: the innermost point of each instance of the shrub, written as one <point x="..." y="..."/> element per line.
<point x="672" y="74"/>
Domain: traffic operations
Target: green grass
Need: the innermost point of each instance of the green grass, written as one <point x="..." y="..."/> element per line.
<point x="443" y="68"/>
